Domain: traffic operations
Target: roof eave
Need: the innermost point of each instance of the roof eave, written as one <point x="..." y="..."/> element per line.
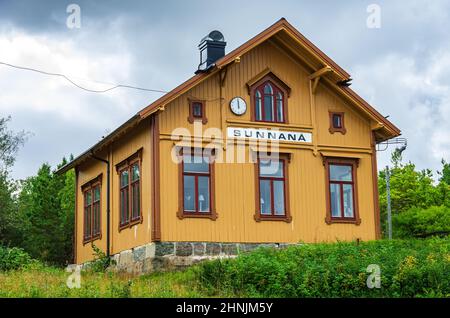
<point x="391" y="128"/>
<point x="100" y="145"/>
<point x="280" y="25"/>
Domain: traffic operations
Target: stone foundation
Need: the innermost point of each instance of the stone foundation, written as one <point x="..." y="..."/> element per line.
<point x="161" y="256"/>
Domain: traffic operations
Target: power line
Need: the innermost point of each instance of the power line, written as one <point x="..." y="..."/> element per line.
<point x="81" y="87"/>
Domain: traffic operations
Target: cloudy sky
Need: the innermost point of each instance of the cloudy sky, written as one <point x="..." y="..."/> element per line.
<point x="401" y="68"/>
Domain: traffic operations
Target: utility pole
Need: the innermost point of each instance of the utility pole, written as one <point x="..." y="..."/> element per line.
<point x="395" y="141"/>
<point x="389" y="211"/>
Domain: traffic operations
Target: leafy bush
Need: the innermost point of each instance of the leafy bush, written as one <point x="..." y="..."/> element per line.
<point x="101" y="262"/>
<point x="418" y="222"/>
<point x="412" y="188"/>
<point x="120" y="289"/>
<point x="409" y="268"/>
<point x="13" y="258"/>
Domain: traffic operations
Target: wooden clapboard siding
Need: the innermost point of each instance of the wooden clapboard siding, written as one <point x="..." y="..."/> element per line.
<point x="235" y="189"/>
<point x="235" y="182"/>
<point x="128" y="238"/>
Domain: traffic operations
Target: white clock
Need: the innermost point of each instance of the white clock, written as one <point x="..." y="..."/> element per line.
<point x="238" y="106"/>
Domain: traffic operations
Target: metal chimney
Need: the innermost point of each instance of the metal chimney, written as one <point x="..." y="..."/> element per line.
<point x="212" y="48"/>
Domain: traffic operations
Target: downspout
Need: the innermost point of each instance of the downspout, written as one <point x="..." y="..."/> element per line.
<point x="108" y="207"/>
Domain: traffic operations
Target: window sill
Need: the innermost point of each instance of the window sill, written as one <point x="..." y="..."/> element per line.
<point x="271" y="122"/>
<point x="284" y="218"/>
<point x="204" y="121"/>
<point x="204" y="215"/>
<point x="92" y="239"/>
<point x="130" y="224"/>
<point x="343" y="221"/>
<point x="337" y="130"/>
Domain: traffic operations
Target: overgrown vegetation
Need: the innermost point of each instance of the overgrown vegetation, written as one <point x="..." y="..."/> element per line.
<point x="409" y="268"/>
<point x="411" y="189"/>
<point x="37" y="225"/>
<point x="13" y="258"/>
<point x="46" y="207"/>
<point x="417" y="222"/>
<point x="9" y="145"/>
<point x="36" y="214"/>
<point x="38" y="280"/>
<point x="101" y="262"/>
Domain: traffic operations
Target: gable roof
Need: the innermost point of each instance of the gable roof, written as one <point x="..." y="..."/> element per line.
<point x="279" y="26"/>
<point x="282" y="32"/>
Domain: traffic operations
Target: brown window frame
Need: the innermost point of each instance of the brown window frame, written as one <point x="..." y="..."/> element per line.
<point x="181" y="213"/>
<point x="354" y="163"/>
<point x="334" y="129"/>
<point x="277" y="85"/>
<point x="135" y="184"/>
<point x="89" y="187"/>
<point x="127" y="165"/>
<point x="258" y="216"/>
<point x="192" y="117"/>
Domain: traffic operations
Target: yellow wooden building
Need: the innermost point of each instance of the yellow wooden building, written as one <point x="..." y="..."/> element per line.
<point x="264" y="145"/>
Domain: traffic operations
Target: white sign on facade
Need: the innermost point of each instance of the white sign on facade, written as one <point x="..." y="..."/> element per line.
<point x="269" y="135"/>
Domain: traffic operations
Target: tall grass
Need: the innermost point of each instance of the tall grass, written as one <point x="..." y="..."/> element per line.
<point x="409" y="268"/>
<point x="48" y="282"/>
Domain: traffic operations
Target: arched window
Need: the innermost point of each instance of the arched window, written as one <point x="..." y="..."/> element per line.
<point x="269" y="103"/>
<point x="279" y="105"/>
<point x="258" y="104"/>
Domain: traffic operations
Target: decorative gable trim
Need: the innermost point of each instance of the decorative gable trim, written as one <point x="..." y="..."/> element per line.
<point x="263" y="76"/>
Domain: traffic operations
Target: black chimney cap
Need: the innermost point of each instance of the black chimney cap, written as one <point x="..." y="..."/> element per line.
<point x="212" y="48"/>
<point x="213" y="36"/>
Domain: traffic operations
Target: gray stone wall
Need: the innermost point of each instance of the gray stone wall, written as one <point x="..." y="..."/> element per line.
<point x="162" y="256"/>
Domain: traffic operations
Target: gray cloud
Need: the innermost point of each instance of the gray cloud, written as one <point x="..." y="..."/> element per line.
<point x="400" y="68"/>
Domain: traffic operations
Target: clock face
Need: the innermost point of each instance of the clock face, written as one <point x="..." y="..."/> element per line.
<point x="238" y="106"/>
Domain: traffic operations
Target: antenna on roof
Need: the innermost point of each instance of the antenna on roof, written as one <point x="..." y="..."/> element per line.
<point x="402" y="142"/>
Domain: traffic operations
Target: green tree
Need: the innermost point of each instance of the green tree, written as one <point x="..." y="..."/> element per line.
<point x="46" y="204"/>
<point x="443" y="187"/>
<point x="40" y="218"/>
<point x="418" y="222"/>
<point x="67" y="216"/>
<point x="409" y="188"/>
<point x="9" y="224"/>
<point x="9" y="145"/>
<point x="445" y="172"/>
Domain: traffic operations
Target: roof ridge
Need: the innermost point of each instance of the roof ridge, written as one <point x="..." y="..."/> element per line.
<point x="281" y="24"/>
<point x="243" y="48"/>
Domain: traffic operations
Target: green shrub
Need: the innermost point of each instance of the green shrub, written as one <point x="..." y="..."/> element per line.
<point x="418" y="222"/>
<point x="120" y="289"/>
<point x="13" y="258"/>
<point x="101" y="262"/>
<point x="409" y="268"/>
